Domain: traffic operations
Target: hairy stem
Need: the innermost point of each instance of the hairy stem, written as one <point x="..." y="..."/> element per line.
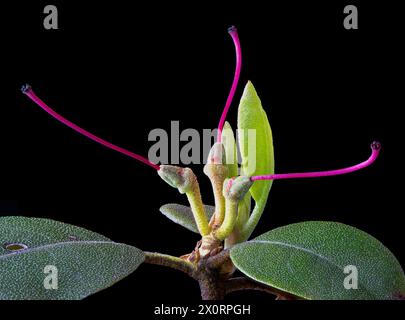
<point x="212" y="284"/>
<point x="253" y="221"/>
<point x="197" y="207"/>
<point x="217" y="181"/>
<point x="217" y="171"/>
<point x="218" y="260"/>
<point x="211" y="288"/>
<point x="231" y="213"/>
<point x="171" y="262"/>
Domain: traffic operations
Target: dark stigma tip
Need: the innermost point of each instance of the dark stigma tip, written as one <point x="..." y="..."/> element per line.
<point x="376" y="145"/>
<point x="25" y="88"/>
<point x="231" y="29"/>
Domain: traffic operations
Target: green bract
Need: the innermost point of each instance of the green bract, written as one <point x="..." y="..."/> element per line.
<point x="183" y="215"/>
<point x="308" y="259"/>
<point x="229" y="142"/>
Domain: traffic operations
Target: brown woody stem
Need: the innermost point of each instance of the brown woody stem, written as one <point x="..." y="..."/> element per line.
<point x="218" y="260"/>
<point x="171" y="262"/>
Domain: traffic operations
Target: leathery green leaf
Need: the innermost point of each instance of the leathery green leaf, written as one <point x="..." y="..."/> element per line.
<point x="258" y="155"/>
<point x="319" y="260"/>
<point x="76" y="261"/>
<point x="183" y="215"/>
<point x="229" y="142"/>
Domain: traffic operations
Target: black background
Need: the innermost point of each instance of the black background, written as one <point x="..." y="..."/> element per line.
<point x="120" y="71"/>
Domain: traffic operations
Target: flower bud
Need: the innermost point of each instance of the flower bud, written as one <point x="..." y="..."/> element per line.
<point x="217" y="154"/>
<point x="177" y="177"/>
<point x="235" y="188"/>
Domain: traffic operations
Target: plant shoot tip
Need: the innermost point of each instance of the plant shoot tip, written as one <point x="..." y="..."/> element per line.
<point x="375" y="147"/>
<point x="235" y="38"/>
<point x="26" y="89"/>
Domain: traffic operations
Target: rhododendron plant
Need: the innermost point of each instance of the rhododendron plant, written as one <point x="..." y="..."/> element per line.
<point x="305" y="260"/>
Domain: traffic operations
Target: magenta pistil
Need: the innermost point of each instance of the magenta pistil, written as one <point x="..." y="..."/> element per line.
<point x="375" y="150"/>
<point x="234" y="34"/>
<point x="27" y="90"/>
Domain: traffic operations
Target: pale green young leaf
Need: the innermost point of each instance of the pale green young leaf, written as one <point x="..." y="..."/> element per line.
<point x="183" y="215"/>
<point x="256" y="147"/>
<point x="259" y="158"/>
<point x="229" y="142"/>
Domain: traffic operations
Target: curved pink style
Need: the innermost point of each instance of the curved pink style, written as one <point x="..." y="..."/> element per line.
<point x="375" y="147"/>
<point x="234" y="34"/>
<point x="26" y="89"/>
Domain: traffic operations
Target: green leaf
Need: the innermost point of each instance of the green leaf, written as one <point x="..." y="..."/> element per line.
<point x="183" y="215"/>
<point x="228" y="140"/>
<point x="252" y="116"/>
<point x="86" y="262"/>
<point x="308" y="259"/>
